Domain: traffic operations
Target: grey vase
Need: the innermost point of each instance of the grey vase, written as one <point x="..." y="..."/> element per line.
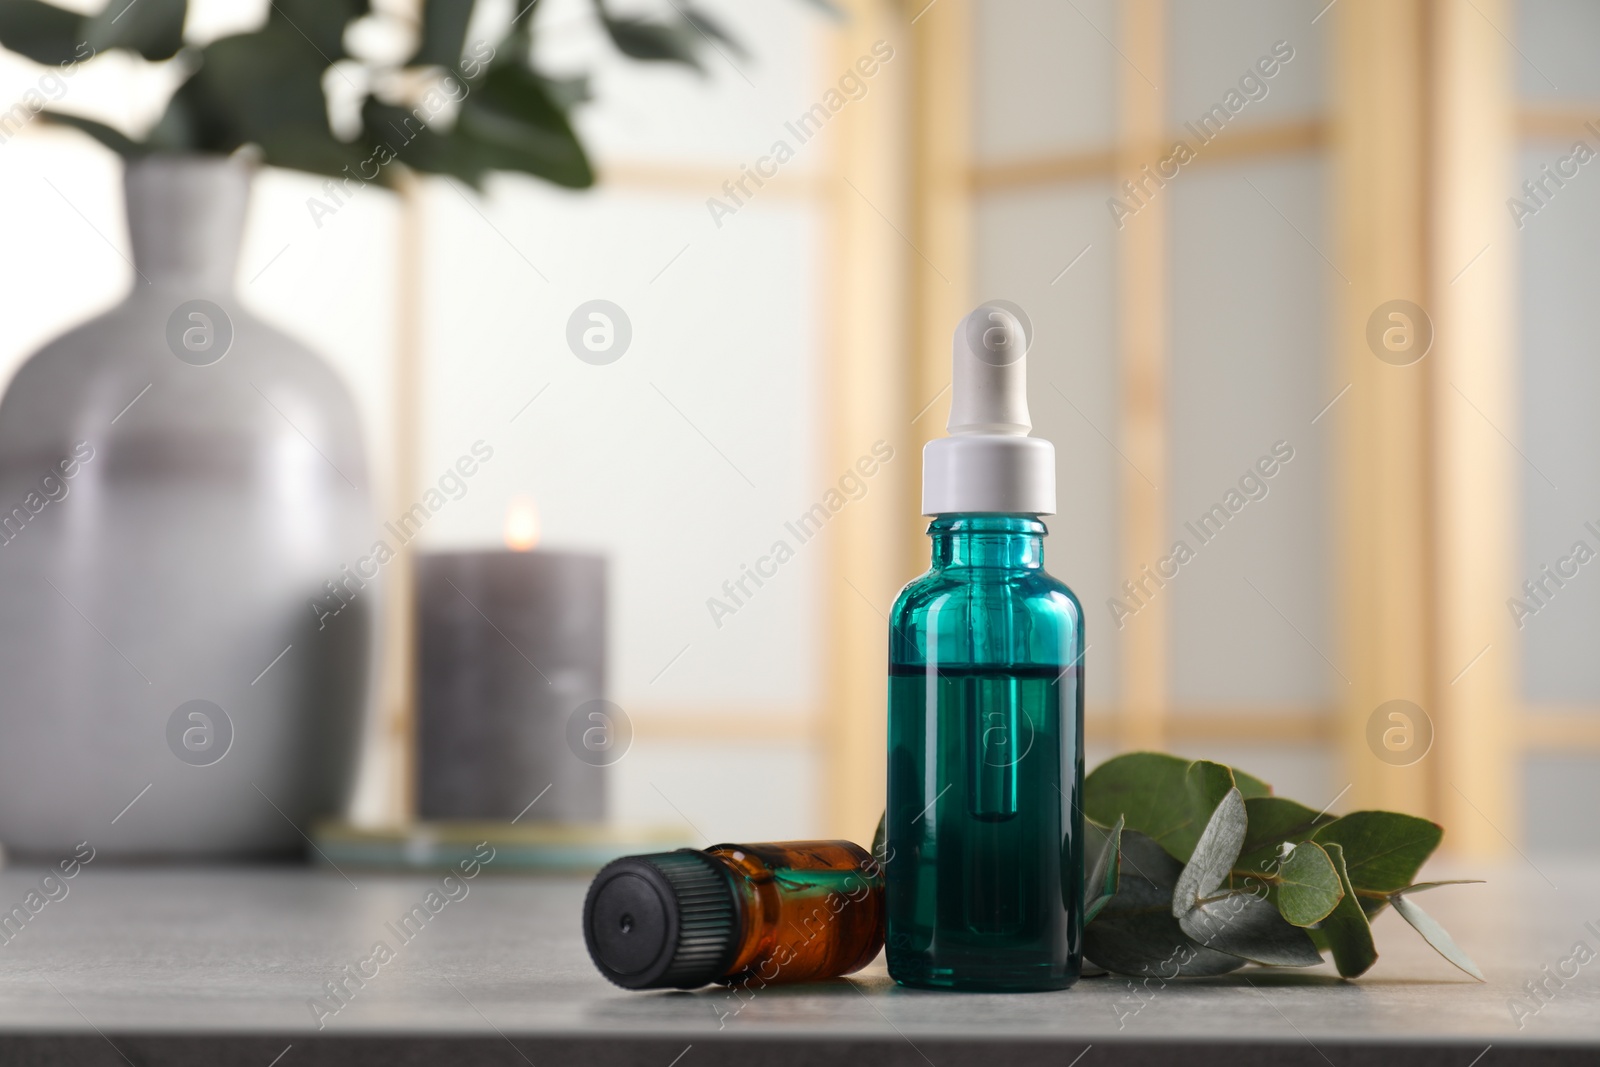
<point x="178" y="480"/>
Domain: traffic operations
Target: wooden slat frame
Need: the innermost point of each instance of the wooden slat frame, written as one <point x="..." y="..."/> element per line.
<point x="1472" y="285"/>
<point x="942" y="208"/>
<point x="1274" y="139"/>
<point x="867" y="276"/>
<point x="1380" y="167"/>
<point x="1546" y="728"/>
<point x="397" y="683"/>
<point x="1142" y="359"/>
<point x="1558" y="123"/>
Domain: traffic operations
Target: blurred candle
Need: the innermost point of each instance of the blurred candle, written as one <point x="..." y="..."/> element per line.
<point x="510" y="644"/>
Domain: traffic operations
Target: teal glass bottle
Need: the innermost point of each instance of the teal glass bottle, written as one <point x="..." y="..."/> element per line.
<point x="985" y="864"/>
<point x="984" y="831"/>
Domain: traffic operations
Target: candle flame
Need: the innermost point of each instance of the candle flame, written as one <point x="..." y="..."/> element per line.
<point x="522" y="524"/>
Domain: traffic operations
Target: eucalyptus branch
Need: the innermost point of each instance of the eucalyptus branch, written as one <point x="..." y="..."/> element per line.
<point x="1251" y="877"/>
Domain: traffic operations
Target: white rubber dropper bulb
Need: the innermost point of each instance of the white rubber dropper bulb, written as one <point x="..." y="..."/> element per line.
<point x="989" y="375"/>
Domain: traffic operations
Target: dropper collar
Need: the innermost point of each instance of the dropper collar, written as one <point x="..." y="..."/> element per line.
<point x="988" y="463"/>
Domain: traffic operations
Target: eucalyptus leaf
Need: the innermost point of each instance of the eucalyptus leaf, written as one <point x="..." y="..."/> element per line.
<point x="1383" y="850"/>
<point x="1168" y="798"/>
<point x="1345" y="929"/>
<point x="152" y="28"/>
<point x="42" y="32"/>
<point x="264" y="88"/>
<point x="177" y="130"/>
<point x="113" y="139"/>
<point x="1435" y="935"/>
<point x="1274" y="821"/>
<point x="444" y="33"/>
<point x="320" y="24"/>
<point x="1213" y="855"/>
<point x="710" y="28"/>
<point x="1245" y="925"/>
<point x="1103" y="869"/>
<point x="1250" y="787"/>
<point x="510" y="120"/>
<point x="311" y="148"/>
<point x="676" y="42"/>
<point x="1135" y="933"/>
<point x="1238" y="923"/>
<point x="566" y="93"/>
<point x="398" y="131"/>
<point x="1309" y="887"/>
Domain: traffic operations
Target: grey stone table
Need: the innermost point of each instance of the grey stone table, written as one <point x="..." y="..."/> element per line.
<point x="163" y="966"/>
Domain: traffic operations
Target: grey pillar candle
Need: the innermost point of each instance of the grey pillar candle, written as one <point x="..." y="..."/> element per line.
<point x="510" y="646"/>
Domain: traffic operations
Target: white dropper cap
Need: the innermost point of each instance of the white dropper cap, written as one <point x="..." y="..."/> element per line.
<point x="988" y="463"/>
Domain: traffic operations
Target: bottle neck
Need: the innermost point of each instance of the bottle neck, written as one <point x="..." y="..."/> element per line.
<point x="186" y="218"/>
<point x="974" y="540"/>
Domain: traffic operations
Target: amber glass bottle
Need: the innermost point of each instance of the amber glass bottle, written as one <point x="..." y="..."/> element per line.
<point x="761" y="914"/>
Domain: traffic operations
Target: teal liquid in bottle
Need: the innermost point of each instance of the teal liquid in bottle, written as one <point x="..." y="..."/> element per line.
<point x="984" y="831"/>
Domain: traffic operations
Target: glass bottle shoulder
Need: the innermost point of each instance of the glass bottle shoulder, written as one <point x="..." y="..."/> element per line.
<point x="966" y="585"/>
<point x="982" y="615"/>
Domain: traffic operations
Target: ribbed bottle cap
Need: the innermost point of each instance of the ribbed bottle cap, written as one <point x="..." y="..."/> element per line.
<point x="664" y="921"/>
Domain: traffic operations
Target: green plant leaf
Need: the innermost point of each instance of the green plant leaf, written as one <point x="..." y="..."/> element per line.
<point x="1250" y="787"/>
<point x="566" y="93"/>
<point x="1135" y="933"/>
<point x="250" y="84"/>
<point x="398" y="133"/>
<point x="1273" y="821"/>
<point x="1165" y="797"/>
<point x="444" y="33"/>
<point x="1240" y="924"/>
<point x="1345" y="929"/>
<point x="319" y="24"/>
<point x="1309" y="887"/>
<point x="1102" y="872"/>
<point x="880" y="836"/>
<point x="42" y="32"/>
<point x="1246" y="925"/>
<point x="1435" y="935"/>
<point x="152" y="28"/>
<point x="263" y="88"/>
<point x="1213" y="855"/>
<point x="114" y="139"/>
<point x="512" y="123"/>
<point x="312" y="149"/>
<point x="710" y="29"/>
<point x="177" y="130"/>
<point x="645" y="39"/>
<point x="1382" y="849"/>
